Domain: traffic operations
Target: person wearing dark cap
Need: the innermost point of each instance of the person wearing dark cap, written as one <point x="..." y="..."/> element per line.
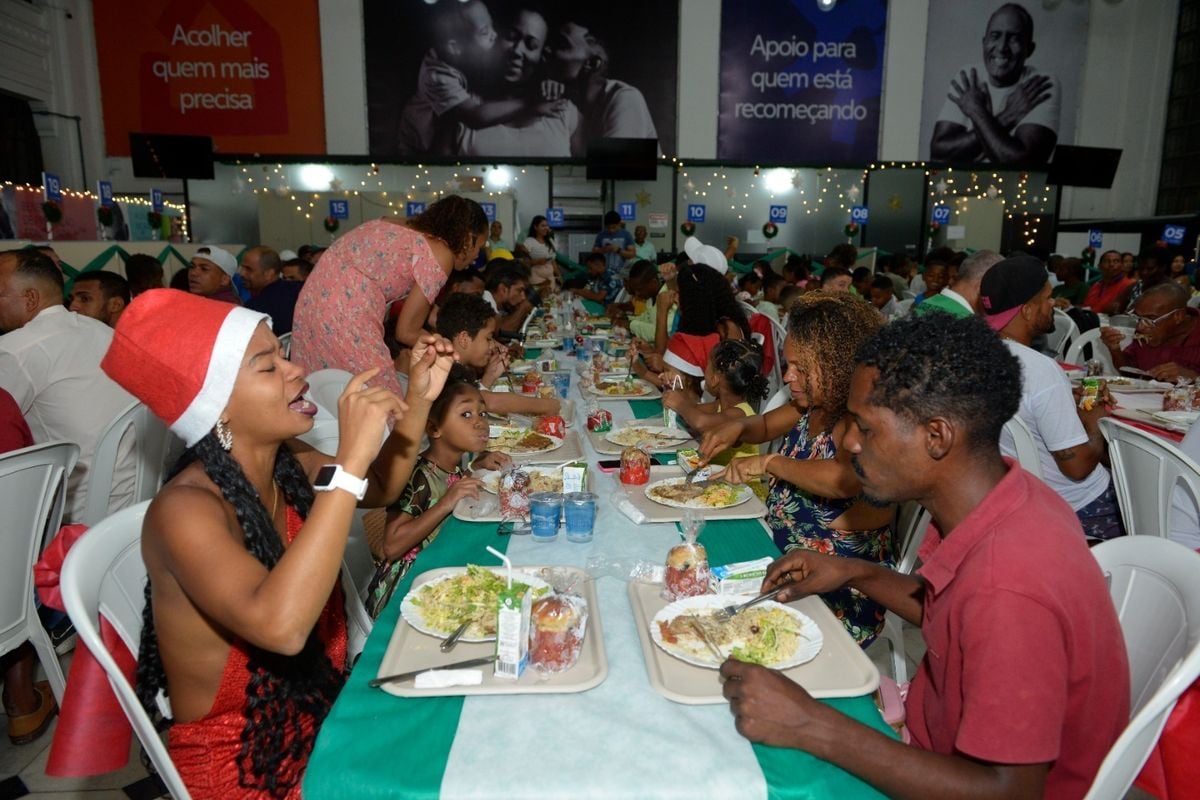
<point x="1015" y="299"/>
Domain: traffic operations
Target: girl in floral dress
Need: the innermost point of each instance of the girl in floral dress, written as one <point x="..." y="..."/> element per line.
<point x="814" y="496"/>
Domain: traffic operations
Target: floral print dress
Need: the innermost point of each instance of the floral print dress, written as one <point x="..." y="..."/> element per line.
<point x="800" y="519"/>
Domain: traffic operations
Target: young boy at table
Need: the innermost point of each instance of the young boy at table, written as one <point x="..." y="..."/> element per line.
<point x="1025" y="683"/>
<point x="469" y="322"/>
<point x="600" y="286"/>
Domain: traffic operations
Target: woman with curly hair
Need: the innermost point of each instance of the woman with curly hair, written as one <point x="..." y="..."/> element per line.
<point x="341" y="311"/>
<point x="244" y="629"/>
<point x="814" y="497"/>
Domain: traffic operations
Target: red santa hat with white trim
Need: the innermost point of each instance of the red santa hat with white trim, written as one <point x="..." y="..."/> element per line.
<point x="180" y="353"/>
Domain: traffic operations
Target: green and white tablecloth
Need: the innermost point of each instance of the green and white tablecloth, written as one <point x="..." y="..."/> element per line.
<point x="618" y="740"/>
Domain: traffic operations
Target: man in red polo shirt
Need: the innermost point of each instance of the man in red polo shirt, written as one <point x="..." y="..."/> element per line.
<point x="1168" y="340"/>
<point x="1110" y="294"/>
<point x="1025" y="684"/>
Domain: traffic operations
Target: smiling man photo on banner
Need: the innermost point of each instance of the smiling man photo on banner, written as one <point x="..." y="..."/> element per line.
<point x="1004" y="111"/>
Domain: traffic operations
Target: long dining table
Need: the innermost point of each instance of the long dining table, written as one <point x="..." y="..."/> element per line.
<point x="620" y="739"/>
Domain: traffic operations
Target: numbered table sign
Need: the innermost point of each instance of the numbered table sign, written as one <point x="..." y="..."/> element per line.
<point x="556" y="217"/>
<point x="941" y="214"/>
<point x="104" y="192"/>
<point x="778" y="214"/>
<point x="628" y="211"/>
<point x="51" y="187"/>
<point x="1173" y="235"/>
<point x="156" y="200"/>
<point x="339" y="209"/>
<point x="696" y="213"/>
<point x="1095" y="237"/>
<point x="489" y="209"/>
<point x="858" y="214"/>
<point x="414" y="208"/>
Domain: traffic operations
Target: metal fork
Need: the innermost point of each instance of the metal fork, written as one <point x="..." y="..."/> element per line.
<point x="703" y="634"/>
<point x="729" y="612"/>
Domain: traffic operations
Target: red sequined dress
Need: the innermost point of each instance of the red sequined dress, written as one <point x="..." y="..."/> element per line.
<point x="205" y="751"/>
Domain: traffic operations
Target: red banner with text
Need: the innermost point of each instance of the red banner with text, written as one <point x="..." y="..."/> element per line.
<point x="246" y="72"/>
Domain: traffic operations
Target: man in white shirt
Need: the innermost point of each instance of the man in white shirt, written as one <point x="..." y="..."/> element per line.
<point x="1003" y="111"/>
<point x="1015" y="299"/>
<point x="50" y="364"/>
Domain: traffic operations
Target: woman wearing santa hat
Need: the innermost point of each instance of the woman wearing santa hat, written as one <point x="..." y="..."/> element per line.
<point x="342" y="309"/>
<point x="244" y="627"/>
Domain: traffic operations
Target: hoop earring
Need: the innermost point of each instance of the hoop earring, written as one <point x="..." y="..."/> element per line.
<point x="224" y="435"/>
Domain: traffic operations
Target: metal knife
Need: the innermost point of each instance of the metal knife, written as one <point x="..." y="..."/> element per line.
<point x="472" y="662"/>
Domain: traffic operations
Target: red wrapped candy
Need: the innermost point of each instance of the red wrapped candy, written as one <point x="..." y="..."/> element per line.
<point x="635" y="466"/>
<point x="531" y="382"/>
<point x="551" y="425"/>
<point x="599" y="421"/>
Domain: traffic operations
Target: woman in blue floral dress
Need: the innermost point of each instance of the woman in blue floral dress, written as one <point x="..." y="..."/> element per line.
<point x="814" y="497"/>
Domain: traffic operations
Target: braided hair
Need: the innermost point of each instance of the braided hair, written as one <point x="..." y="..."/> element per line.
<point x="283" y="691"/>
<point x="740" y="363"/>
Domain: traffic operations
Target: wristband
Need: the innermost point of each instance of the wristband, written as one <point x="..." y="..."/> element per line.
<point x="332" y="476"/>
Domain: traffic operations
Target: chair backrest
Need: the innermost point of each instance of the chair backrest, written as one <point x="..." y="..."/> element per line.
<point x="1155" y="586"/>
<point x="1025" y="446"/>
<point x="782" y="396"/>
<point x="1194" y="302"/>
<point x="1099" y="351"/>
<point x="1065" y="331"/>
<point x="33" y="484"/>
<point x="748" y="308"/>
<point x="104" y="575"/>
<point x="325" y="386"/>
<point x="285" y="341"/>
<point x="1146" y="471"/>
<point x="135" y="431"/>
<point x="912" y="523"/>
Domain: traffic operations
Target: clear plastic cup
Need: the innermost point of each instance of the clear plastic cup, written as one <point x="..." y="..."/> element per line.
<point x="545" y="510"/>
<point x="579" y="511"/>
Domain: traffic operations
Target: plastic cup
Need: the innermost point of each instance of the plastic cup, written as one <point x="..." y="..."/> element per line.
<point x="562" y="383"/>
<point x="579" y="509"/>
<point x="545" y="509"/>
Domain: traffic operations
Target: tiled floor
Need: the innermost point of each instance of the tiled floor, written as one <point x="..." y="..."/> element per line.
<point x="23" y="772"/>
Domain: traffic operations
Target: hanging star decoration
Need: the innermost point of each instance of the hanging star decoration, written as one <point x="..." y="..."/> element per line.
<point x="941" y="186"/>
<point x="283" y="191"/>
<point x="689" y="187"/>
<point x="852" y="194"/>
<point x="335" y="184"/>
<point x="895" y="202"/>
<point x="992" y="191"/>
<point x="797" y="181"/>
<point x="453" y="184"/>
<point x="643" y="198"/>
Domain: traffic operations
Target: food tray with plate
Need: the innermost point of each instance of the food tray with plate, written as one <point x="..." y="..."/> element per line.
<point x="486" y="508"/>
<point x="409" y="649"/>
<point x="1128" y="385"/>
<point x="717" y="496"/>
<point x="542" y="343"/>
<point x="544" y="479"/>
<point x="752" y="508"/>
<point x="649" y="392"/>
<point x="787" y="638"/>
<point x="414" y="610"/>
<point x="1150" y="418"/>
<point x="604" y="447"/>
<point x="571" y="450"/>
<point x="840" y="669"/>
<point x="521" y="441"/>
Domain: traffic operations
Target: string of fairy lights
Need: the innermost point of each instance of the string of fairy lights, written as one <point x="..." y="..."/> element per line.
<point x="126" y="200"/>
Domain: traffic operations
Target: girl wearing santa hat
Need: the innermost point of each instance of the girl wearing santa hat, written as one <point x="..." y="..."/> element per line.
<point x="244" y="629"/>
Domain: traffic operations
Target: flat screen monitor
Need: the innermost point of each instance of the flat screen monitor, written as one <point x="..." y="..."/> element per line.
<point x="622" y="159"/>
<point x="1094" y="167"/>
<point x="159" y="155"/>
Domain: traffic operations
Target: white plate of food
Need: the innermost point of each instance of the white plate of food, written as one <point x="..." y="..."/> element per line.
<point x="621" y="390"/>
<point x="656" y="436"/>
<point x="522" y="367"/>
<point x="1179" y="419"/>
<point x="542" y="479"/>
<point x="522" y="442"/>
<point x="770" y="633"/>
<point x="718" y="494"/>
<point x="438" y="607"/>
<point x="542" y="344"/>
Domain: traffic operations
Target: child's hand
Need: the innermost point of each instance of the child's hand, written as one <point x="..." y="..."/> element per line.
<point x="463" y="487"/>
<point x="491" y="460"/>
<point x="553" y="90"/>
<point x="673" y="399"/>
<point x="432" y="358"/>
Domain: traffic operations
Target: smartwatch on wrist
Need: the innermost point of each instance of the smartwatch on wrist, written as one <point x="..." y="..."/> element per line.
<point x="332" y="476"/>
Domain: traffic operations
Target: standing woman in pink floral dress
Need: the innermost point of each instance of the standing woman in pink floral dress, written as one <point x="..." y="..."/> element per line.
<point x="341" y="312"/>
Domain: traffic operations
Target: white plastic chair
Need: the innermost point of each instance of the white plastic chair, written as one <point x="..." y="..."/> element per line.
<point x="285" y="341"/>
<point x="912" y="523"/>
<point x="325" y="386"/>
<point x="1099" y="351"/>
<point x="1065" y="331"/>
<point x="33" y="485"/>
<point x="1024" y="446"/>
<point x="1146" y="471"/>
<point x="904" y="307"/>
<point x="1155" y="586"/>
<point x="150" y="444"/>
<point x="748" y="308"/>
<point x="782" y="396"/>
<point x="1194" y="301"/>
<point x="104" y="575"/>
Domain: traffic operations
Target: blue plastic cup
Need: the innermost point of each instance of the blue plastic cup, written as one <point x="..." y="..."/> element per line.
<point x="579" y="509"/>
<point x="545" y="509"/>
<point x="562" y="384"/>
